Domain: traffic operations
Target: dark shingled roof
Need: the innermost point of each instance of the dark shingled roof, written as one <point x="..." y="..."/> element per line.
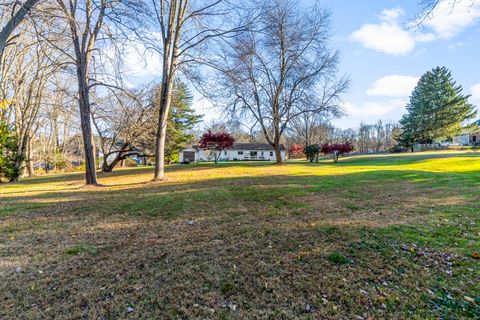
<point x="254" y="146"/>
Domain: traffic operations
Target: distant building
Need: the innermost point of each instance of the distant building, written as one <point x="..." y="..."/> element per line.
<point x="238" y="152"/>
<point x="470" y="137"/>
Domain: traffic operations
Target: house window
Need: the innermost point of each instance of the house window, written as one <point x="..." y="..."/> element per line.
<point x="474" y="138"/>
<point x="240" y="153"/>
<point x="262" y="153"/>
<point x="225" y="153"/>
<point x="271" y="153"/>
<point x="253" y="153"/>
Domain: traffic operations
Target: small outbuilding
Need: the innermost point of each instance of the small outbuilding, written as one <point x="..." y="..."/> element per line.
<point x="238" y="152"/>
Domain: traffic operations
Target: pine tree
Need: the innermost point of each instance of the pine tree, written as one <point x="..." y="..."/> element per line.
<point x="182" y="119"/>
<point x="436" y="111"/>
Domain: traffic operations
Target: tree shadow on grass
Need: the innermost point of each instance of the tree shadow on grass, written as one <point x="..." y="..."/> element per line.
<point x="264" y="243"/>
<point x="78" y="177"/>
<point x="257" y="260"/>
<point x="171" y="196"/>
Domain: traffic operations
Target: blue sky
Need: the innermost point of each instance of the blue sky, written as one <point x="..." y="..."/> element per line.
<point x="383" y="54"/>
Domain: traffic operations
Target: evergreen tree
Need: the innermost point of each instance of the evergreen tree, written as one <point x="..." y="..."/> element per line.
<point x="181" y="120"/>
<point x="436" y="110"/>
<point x="8" y="152"/>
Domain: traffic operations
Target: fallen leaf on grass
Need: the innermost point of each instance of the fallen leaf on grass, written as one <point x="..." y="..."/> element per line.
<point x="137" y="287"/>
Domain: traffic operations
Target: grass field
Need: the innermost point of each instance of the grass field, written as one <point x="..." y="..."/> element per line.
<point x="373" y="237"/>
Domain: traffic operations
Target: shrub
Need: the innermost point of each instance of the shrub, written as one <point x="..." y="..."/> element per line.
<point x="295" y="151"/>
<point x="8" y="153"/>
<point x="312" y="152"/>
<point x="336" y="149"/>
<point x="130" y="163"/>
<point x="59" y="162"/>
<point x="397" y="149"/>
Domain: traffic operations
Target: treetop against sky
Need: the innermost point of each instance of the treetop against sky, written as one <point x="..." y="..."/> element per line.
<point x="384" y="53"/>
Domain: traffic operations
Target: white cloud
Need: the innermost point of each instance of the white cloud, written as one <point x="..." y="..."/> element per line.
<point x="475" y="92"/>
<point x="384" y="38"/>
<point x="451" y="17"/>
<point x="371" y="109"/>
<point x="389" y="36"/>
<point x="455" y="45"/>
<point x="141" y="62"/>
<point x="393" y="86"/>
<point x="424" y="37"/>
<point x="391" y="15"/>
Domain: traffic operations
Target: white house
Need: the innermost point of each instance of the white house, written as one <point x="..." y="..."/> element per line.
<point x="470" y="137"/>
<point x="239" y="151"/>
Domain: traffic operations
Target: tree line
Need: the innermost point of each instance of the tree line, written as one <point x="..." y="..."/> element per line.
<point x="66" y="94"/>
<point x="367" y="138"/>
<point x="65" y="88"/>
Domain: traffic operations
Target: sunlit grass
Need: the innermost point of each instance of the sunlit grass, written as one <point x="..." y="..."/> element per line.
<point x="267" y="237"/>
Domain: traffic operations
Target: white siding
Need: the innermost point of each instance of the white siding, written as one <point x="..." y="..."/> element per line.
<point x="232" y="155"/>
<point x="462" y="140"/>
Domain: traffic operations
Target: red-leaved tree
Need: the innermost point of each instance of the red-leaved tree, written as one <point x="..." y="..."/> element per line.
<point x="216" y="142"/>
<point x="336" y="149"/>
<point x="295" y="151"/>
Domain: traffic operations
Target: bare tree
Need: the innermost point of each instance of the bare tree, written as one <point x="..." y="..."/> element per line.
<point x="429" y="7"/>
<point x="186" y="28"/>
<point x="310" y="128"/>
<point x="364" y="137"/>
<point x="281" y="70"/>
<point x="88" y="28"/>
<point x="122" y="121"/>
<point x="18" y="12"/>
<point x="378" y="136"/>
<point x="26" y="71"/>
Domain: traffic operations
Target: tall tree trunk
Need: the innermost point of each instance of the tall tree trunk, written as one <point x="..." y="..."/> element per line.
<point x="171" y="42"/>
<point x="165" y="101"/>
<point x="86" y="126"/>
<point x="65" y="137"/>
<point x="278" y="154"/>
<point x="160" y="149"/>
<point x="84" y="45"/>
<point x="21" y="155"/>
<point x="276" y="144"/>
<point x="30" y="170"/>
<point x="105" y="164"/>
<point x="24" y="163"/>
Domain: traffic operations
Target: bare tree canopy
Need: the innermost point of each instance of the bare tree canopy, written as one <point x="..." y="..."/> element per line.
<point x="123" y="120"/>
<point x="184" y="28"/>
<point x="18" y="13"/>
<point x="429" y="7"/>
<point x="281" y="69"/>
<point x="89" y="25"/>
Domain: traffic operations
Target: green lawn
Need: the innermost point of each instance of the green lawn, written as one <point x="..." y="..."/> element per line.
<point x="372" y="237"/>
